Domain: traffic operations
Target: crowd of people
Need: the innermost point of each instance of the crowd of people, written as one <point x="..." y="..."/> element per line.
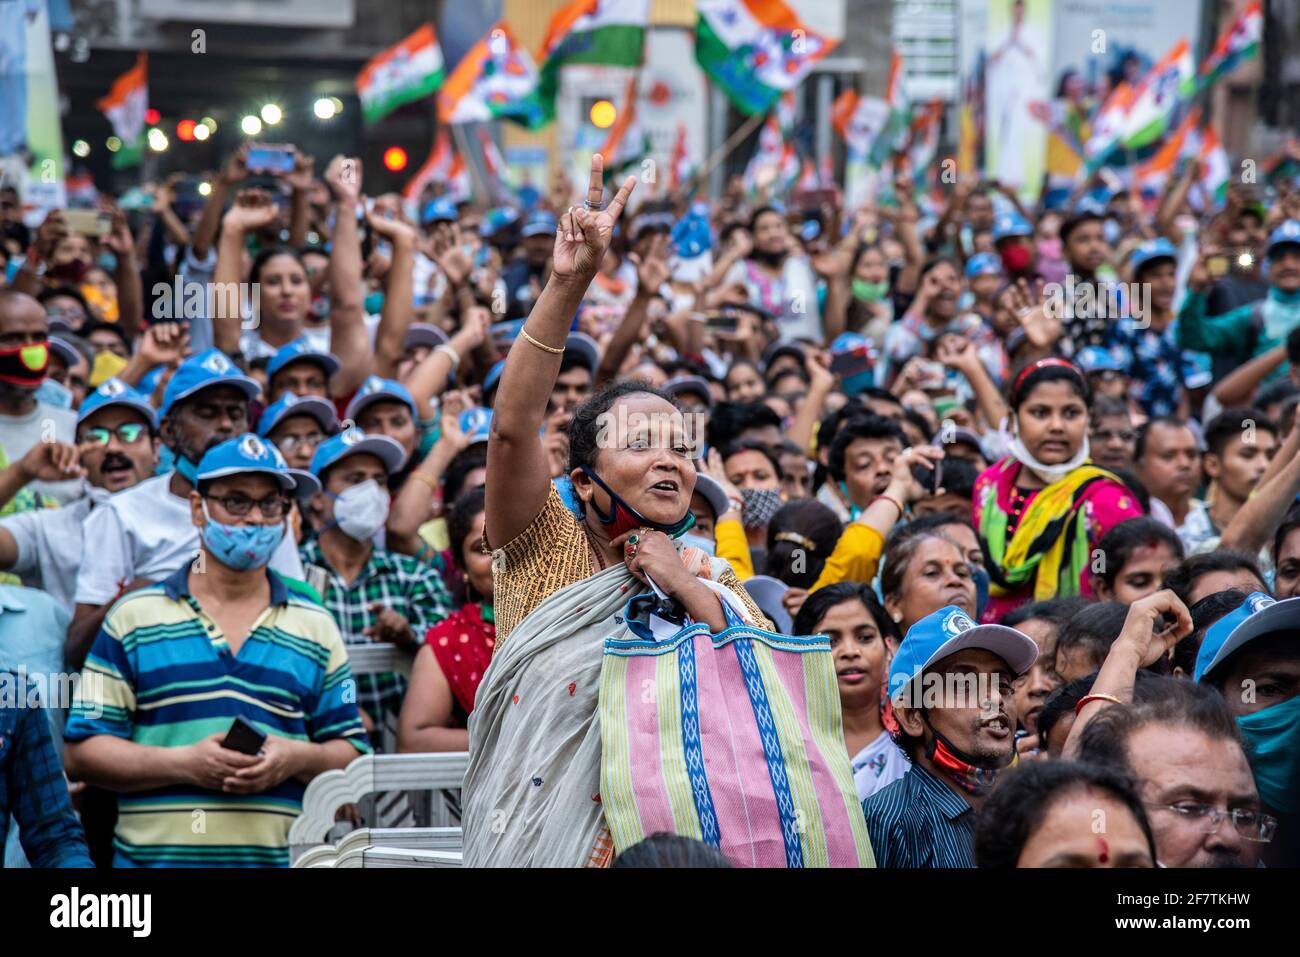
<point x="740" y="531"/>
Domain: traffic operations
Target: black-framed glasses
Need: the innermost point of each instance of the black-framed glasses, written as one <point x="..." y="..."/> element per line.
<point x="1253" y="826"/>
<point x="291" y="442"/>
<point x="128" y="432"/>
<point x="239" y="505"/>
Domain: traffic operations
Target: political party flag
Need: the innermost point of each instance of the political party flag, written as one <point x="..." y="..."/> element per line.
<point x="1108" y="125"/>
<point x="924" y="141"/>
<point x="1158" y="96"/>
<point x="444" y="165"/>
<point x="493" y="163"/>
<point x="405" y="72"/>
<point x="125" y="106"/>
<point x="774" y="160"/>
<point x="755" y="50"/>
<point x="628" y="142"/>
<point x="898" y="119"/>
<point x="1236" y="44"/>
<point x="860" y="120"/>
<point x="604" y="32"/>
<point x="1152" y="176"/>
<point x="1211" y="184"/>
<point x="495" y="79"/>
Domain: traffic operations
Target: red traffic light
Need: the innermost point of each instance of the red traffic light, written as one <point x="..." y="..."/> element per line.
<point x="185" y="130"/>
<point x="394" y="159"/>
<point x="152" y="116"/>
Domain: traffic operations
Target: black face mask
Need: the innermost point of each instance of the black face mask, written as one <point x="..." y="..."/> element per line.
<point x="71" y="272"/>
<point x="24" y="367"/>
<point x="771" y="260"/>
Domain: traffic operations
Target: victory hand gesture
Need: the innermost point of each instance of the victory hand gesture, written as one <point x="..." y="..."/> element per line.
<point x="585" y="231"/>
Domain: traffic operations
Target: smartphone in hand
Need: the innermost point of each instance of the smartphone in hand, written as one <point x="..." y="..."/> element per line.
<point x="243" y="737"/>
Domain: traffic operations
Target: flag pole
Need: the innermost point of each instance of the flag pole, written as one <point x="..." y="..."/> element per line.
<point x="724" y="150"/>
<point x="480" y="181"/>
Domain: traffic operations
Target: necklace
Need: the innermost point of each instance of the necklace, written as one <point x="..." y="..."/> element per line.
<point x="595" y="549"/>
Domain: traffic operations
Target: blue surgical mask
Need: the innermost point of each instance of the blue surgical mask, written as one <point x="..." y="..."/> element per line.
<point x="53" y="394"/>
<point x="1112" y="231"/>
<point x="706" y="545"/>
<point x="189" y="470"/>
<point x="241" y="547"/>
<point x="1273" y="745"/>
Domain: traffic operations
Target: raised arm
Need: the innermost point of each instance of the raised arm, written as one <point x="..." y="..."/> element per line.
<point x="518" y="475"/>
<point x="399" y="286"/>
<point x="348" y="339"/>
<point x="1239" y="385"/>
<point x="300" y="180"/>
<point x="126" y="274"/>
<point x="1253" y="525"/>
<point x="252" y="210"/>
<point x="232" y="174"/>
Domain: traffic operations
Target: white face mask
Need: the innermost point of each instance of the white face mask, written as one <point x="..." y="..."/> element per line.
<point x="1047" y="473"/>
<point x="361" y="510"/>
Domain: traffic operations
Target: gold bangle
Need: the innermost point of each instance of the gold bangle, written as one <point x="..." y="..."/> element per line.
<point x="427" y="480"/>
<point x="541" y="345"/>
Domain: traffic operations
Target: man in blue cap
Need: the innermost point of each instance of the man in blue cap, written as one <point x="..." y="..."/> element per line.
<point x="1013" y="238"/>
<point x="117" y="448"/>
<point x="1249" y="330"/>
<point x="178" y="666"/>
<point x="300" y="368"/>
<point x="1252" y="657"/>
<point x="950" y="686"/>
<point x="143" y="534"/>
<point x="374" y="594"/>
<point x="386" y="407"/>
<point x="297" y="424"/>
<point x="525" y="275"/>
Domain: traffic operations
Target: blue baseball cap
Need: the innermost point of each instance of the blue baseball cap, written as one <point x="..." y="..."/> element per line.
<point x="302" y="350"/>
<point x="476" y="423"/>
<point x="983" y="264"/>
<point x="1011" y="224"/>
<point x="948" y="631"/>
<point x="355" y="442"/>
<point x="320" y="409"/>
<point x="424" y="334"/>
<point x="493" y="377"/>
<point x="439" y="210"/>
<point x="691" y="236"/>
<point x="248" y="453"/>
<point x="1257" y="616"/>
<point x="497" y="219"/>
<point x="1284" y="234"/>
<point x="1152" y="250"/>
<point x="116" y="392"/>
<point x="539" y="223"/>
<point x="203" y="371"/>
<point x="1097" y="359"/>
<point x="375" y="389"/>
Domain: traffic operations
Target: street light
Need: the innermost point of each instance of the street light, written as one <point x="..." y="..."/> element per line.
<point x="603" y="114"/>
<point x="210" y="123"/>
<point x="205" y="188"/>
<point x="324" y="108"/>
<point x="157" y="140"/>
<point x="81" y="148"/>
<point x="271" y="114"/>
<point x="394" y="159"/>
<point x="113" y="143"/>
<point x="251" y="125"/>
<point x="201" y="132"/>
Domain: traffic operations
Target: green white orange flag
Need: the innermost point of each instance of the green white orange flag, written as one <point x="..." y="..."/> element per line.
<point x="1108" y="125"/>
<point x="125" y="106"/>
<point x="1236" y="44"/>
<point x="1152" y="176"/>
<point x="495" y="79"/>
<point x="445" y="166"/>
<point x="1158" y="96"/>
<point x="1212" y="180"/>
<point x="405" y="72"/>
<point x="755" y="50"/>
<point x="603" y="32"/>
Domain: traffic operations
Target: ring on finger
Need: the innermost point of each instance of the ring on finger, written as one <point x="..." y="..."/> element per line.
<point x="594" y="207"/>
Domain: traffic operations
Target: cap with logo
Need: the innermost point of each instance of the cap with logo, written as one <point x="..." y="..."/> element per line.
<point x="476" y="423"/>
<point x="1257" y="616"/>
<point x="1150" y="251"/>
<point x="438" y="210"/>
<point x="204" y="371"/>
<point x="983" y="264"/>
<point x="115" y="392"/>
<point x="320" y="409"/>
<point x="356" y="442"/>
<point x="1008" y="225"/>
<point x="302" y="350"/>
<point x="948" y="631"/>
<point x="248" y="453"/>
<point x="539" y="223"/>
<point x="1097" y="359"/>
<point x="376" y="389"/>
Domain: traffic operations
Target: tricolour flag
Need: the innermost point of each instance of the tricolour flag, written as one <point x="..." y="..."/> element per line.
<point x="125" y="106"/>
<point x="898" y="119"/>
<point x="494" y="164"/>
<point x="1108" y="125"/>
<point x="681" y="166"/>
<point x="445" y="166"/>
<point x="1236" y="44"/>
<point x="1152" y="176"/>
<point x="1211" y="184"/>
<point x="627" y="143"/>
<point x="603" y="32"/>
<point x="496" y="78"/>
<point x="1158" y="96"/>
<point x="924" y="141"/>
<point x="860" y="120"/>
<point x="408" y="71"/>
<point x="774" y="160"/>
<point x="755" y="49"/>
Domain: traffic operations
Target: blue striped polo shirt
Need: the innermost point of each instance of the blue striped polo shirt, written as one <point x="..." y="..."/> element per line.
<point x="161" y="674"/>
<point x="919" y="821"/>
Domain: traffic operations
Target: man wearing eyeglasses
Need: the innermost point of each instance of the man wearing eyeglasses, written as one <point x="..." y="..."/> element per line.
<point x="1177" y="740"/>
<point x="116" y="449"/>
<point x="143" y="534"/>
<point x="175" y="664"/>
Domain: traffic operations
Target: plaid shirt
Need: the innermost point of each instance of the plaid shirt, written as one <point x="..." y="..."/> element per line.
<point x="410" y="587"/>
<point x="32" y="787"/>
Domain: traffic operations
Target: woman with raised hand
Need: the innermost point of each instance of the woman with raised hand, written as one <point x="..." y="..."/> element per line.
<point x="609" y="631"/>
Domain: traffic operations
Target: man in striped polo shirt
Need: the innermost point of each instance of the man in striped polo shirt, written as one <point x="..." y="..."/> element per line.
<point x="950" y="685"/>
<point x="175" y="663"/>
